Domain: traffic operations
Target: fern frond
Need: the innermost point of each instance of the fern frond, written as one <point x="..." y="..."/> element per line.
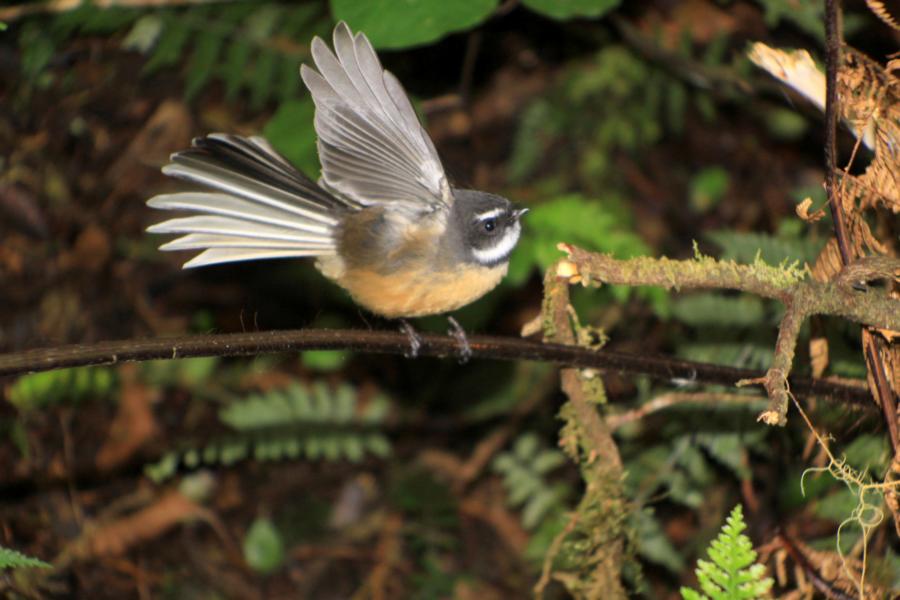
<point x="524" y="471"/>
<point x="313" y="423"/>
<point x="40" y="390"/>
<point x="746" y="247"/>
<point x="711" y="310"/>
<point x="12" y="559"/>
<point x="732" y="572"/>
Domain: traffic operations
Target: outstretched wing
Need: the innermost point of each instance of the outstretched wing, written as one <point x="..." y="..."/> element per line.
<point x="371" y="145"/>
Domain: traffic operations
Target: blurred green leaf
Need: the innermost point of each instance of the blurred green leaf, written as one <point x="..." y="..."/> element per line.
<point x="234" y="66"/>
<point x="869" y="452"/>
<point x="202" y="63"/>
<point x="291" y="132"/>
<point x="748" y="355"/>
<point x="262" y="78"/>
<point x="404" y="23"/>
<point x="40" y="390"/>
<point x="324" y="360"/>
<point x="524" y="469"/>
<point x="37" y="49"/>
<point x="654" y="545"/>
<point x="144" y="34"/>
<point x="744" y="246"/>
<point x="786" y="123"/>
<point x="567" y="9"/>
<point x="263" y="547"/>
<point x="12" y="559"/>
<point x="712" y="309"/>
<point x="708" y="187"/>
<point x="169" y="48"/>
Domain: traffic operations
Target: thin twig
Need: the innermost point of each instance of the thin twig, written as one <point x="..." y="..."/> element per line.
<point x="670" y="399"/>
<point x="389" y="342"/>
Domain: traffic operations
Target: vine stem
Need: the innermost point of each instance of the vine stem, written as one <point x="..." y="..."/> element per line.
<point x="389" y="342"/>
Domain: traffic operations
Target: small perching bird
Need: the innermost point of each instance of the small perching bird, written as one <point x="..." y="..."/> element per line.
<point x="383" y="222"/>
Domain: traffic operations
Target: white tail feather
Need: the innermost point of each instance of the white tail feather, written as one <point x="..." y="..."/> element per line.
<point x="264" y="208"/>
<point x="231" y="206"/>
<point x="242" y="186"/>
<point x="215" y="256"/>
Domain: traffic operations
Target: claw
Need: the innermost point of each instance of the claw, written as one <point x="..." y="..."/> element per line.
<point x="415" y="342"/>
<point x="465" y="351"/>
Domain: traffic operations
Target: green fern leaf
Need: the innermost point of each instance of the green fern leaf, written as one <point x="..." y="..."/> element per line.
<point x="774" y="250"/>
<point x="69" y="386"/>
<point x="711" y="310"/>
<point x="202" y="63"/>
<point x="730" y="574"/>
<point x="313" y="423"/>
<point x="12" y="559"/>
<point x="171" y="43"/>
<point x="523" y="470"/>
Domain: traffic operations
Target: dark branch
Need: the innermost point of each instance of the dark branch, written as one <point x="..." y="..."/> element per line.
<point x="388" y="342"/>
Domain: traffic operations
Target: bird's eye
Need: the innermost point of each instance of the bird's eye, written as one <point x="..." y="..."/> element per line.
<point x="490" y="224"/>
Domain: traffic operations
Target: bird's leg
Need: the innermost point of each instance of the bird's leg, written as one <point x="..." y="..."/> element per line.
<point x="415" y="341"/>
<point x="456" y="330"/>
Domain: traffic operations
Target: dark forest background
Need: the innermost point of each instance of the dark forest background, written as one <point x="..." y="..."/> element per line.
<point x="634" y="128"/>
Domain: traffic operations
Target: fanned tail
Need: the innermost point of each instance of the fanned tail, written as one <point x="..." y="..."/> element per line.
<point x="262" y="207"/>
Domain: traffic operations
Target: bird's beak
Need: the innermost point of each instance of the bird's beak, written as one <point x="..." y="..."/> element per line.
<point x="520" y="213"/>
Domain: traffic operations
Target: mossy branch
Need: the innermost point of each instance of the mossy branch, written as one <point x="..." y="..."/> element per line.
<point x="602" y="509"/>
<point x="846" y="296"/>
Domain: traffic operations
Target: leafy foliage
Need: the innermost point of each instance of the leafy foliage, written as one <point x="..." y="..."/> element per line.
<point x="708" y="187"/>
<point x="730" y="574"/>
<point x="250" y="47"/>
<point x="263" y="547"/>
<point x="745" y="247"/>
<point x="597" y="224"/>
<point x="566" y="9"/>
<point x="806" y="15"/>
<point x="716" y="310"/>
<point x="654" y="546"/>
<point x="71" y="386"/>
<point x="604" y="225"/>
<point x="524" y="470"/>
<point x="614" y="103"/>
<point x="11" y="559"/>
<point x="315" y="423"/>
<point x="403" y="23"/>
<point x="290" y="130"/>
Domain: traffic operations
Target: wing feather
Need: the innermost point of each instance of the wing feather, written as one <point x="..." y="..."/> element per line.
<point x="371" y="145"/>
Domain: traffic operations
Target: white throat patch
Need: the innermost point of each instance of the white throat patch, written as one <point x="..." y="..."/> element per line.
<point x="501" y="248"/>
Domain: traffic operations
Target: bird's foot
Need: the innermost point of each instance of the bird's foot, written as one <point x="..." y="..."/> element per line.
<point x="459" y="334"/>
<point x="415" y="340"/>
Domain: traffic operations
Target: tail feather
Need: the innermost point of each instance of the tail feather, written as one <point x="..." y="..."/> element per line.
<point x="263" y="207"/>
<point x="216" y="256"/>
<point x="231" y="227"/>
<point x="232" y="207"/>
<point x="202" y="241"/>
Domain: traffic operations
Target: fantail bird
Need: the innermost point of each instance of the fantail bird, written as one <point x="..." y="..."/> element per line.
<point x="383" y="222"/>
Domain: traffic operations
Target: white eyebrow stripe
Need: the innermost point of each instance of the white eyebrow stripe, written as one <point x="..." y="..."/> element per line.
<point x="490" y="214"/>
<point x="501" y="249"/>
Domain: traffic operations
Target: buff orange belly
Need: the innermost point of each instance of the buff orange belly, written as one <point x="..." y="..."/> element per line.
<point x="404" y="294"/>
